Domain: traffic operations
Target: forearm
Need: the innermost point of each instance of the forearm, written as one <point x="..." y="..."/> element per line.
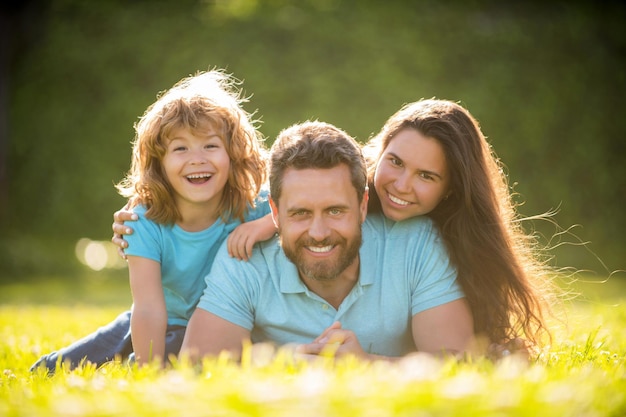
<point x="148" y="335"/>
<point x="445" y="330"/>
<point x="209" y="335"/>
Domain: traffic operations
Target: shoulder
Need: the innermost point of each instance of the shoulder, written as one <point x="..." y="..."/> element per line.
<point x="264" y="257"/>
<point x="142" y="221"/>
<point x="261" y="206"/>
<point x="139" y="210"/>
<point x="379" y="225"/>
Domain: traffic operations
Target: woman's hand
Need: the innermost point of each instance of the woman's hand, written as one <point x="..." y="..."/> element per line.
<point x="518" y="347"/>
<point x="246" y="235"/>
<point x="119" y="229"/>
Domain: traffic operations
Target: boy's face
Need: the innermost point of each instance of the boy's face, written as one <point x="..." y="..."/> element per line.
<point x="319" y="221"/>
<point x="196" y="168"/>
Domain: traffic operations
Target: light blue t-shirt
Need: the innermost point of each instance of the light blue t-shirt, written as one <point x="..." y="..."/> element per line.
<point x="185" y="257"/>
<point x="404" y="269"/>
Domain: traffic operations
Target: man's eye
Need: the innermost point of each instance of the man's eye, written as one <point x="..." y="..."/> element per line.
<point x="334" y="212"/>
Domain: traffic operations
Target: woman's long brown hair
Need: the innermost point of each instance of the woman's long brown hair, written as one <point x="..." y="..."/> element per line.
<point x="499" y="266"/>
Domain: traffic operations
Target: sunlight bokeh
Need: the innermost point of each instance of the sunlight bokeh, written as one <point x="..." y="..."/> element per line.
<point x="98" y="255"/>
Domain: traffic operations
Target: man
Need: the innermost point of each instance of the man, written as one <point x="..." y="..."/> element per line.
<point x="368" y="287"/>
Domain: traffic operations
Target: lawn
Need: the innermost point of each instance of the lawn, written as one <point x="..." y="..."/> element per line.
<point x="582" y="374"/>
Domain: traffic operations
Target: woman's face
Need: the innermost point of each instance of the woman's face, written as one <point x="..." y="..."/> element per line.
<point x="412" y="175"/>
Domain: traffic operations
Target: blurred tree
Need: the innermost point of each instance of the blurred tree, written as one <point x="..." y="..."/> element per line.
<point x="20" y="24"/>
<point x="545" y="81"/>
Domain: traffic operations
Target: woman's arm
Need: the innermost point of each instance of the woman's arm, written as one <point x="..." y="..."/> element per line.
<point x="447" y="329"/>
<point x="119" y="229"/>
<point x="148" y="321"/>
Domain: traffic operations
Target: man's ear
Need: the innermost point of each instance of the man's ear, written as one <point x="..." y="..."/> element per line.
<point x="274" y="209"/>
<point x="366" y="197"/>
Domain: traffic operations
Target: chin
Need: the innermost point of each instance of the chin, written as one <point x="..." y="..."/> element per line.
<point x="393" y="215"/>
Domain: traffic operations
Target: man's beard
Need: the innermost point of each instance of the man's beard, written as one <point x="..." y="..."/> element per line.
<point x="323" y="270"/>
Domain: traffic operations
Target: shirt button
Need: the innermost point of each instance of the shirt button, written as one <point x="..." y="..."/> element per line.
<point x="324" y="306"/>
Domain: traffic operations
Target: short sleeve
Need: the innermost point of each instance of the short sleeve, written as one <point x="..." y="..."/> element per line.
<point x="145" y="239"/>
<point x="230" y="290"/>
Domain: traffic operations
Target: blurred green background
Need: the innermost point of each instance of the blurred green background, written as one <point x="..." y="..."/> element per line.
<point x="546" y="82"/>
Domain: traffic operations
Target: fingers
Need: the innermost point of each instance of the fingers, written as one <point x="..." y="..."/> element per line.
<point x="121" y="229"/>
<point x="122" y="216"/>
<point x="324" y="337"/>
<point x="248" y="248"/>
<point x="334" y="341"/>
<point x="517" y="346"/>
<point x="239" y="246"/>
<point x="119" y="241"/>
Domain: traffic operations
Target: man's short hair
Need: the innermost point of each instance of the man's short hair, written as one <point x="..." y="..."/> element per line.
<point x="315" y="145"/>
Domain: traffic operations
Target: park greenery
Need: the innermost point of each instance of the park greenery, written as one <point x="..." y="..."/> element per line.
<point x="544" y="79"/>
<point x="583" y="373"/>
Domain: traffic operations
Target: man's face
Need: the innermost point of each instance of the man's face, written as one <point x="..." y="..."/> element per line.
<point x="319" y="221"/>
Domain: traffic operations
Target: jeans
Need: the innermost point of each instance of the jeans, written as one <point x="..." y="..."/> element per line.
<point x="106" y="344"/>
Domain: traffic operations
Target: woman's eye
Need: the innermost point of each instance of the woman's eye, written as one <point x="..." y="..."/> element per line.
<point x="426" y="176"/>
<point x="395" y="161"/>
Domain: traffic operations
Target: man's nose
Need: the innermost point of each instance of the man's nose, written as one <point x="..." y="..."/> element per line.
<point x="319" y="229"/>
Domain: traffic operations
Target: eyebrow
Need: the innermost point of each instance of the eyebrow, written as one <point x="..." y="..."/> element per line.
<point x="342" y="207"/>
<point x="215" y="135"/>
<point x="432" y="173"/>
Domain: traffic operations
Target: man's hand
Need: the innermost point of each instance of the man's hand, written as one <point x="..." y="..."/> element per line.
<point x="334" y="341"/>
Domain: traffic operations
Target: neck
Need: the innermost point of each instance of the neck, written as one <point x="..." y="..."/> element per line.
<point x="195" y="218"/>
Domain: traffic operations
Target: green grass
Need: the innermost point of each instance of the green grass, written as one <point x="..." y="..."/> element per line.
<point x="582" y="374"/>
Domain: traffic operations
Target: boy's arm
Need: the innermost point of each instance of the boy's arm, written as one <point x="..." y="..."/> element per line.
<point x="242" y="239"/>
<point x="148" y="321"/>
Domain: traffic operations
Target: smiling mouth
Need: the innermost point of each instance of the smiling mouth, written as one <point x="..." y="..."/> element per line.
<point x="320" y="249"/>
<point x="398" y="201"/>
<point x="199" y="178"/>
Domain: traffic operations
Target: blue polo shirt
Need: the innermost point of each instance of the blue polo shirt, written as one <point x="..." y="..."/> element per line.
<point x="185" y="257"/>
<point x="404" y="269"/>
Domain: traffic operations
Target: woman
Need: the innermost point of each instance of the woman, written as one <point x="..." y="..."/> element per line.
<point x="431" y="158"/>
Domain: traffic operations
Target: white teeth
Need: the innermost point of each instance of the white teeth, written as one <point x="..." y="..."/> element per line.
<point x="398" y="201"/>
<point x="204" y="175"/>
<point x="320" y="250"/>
